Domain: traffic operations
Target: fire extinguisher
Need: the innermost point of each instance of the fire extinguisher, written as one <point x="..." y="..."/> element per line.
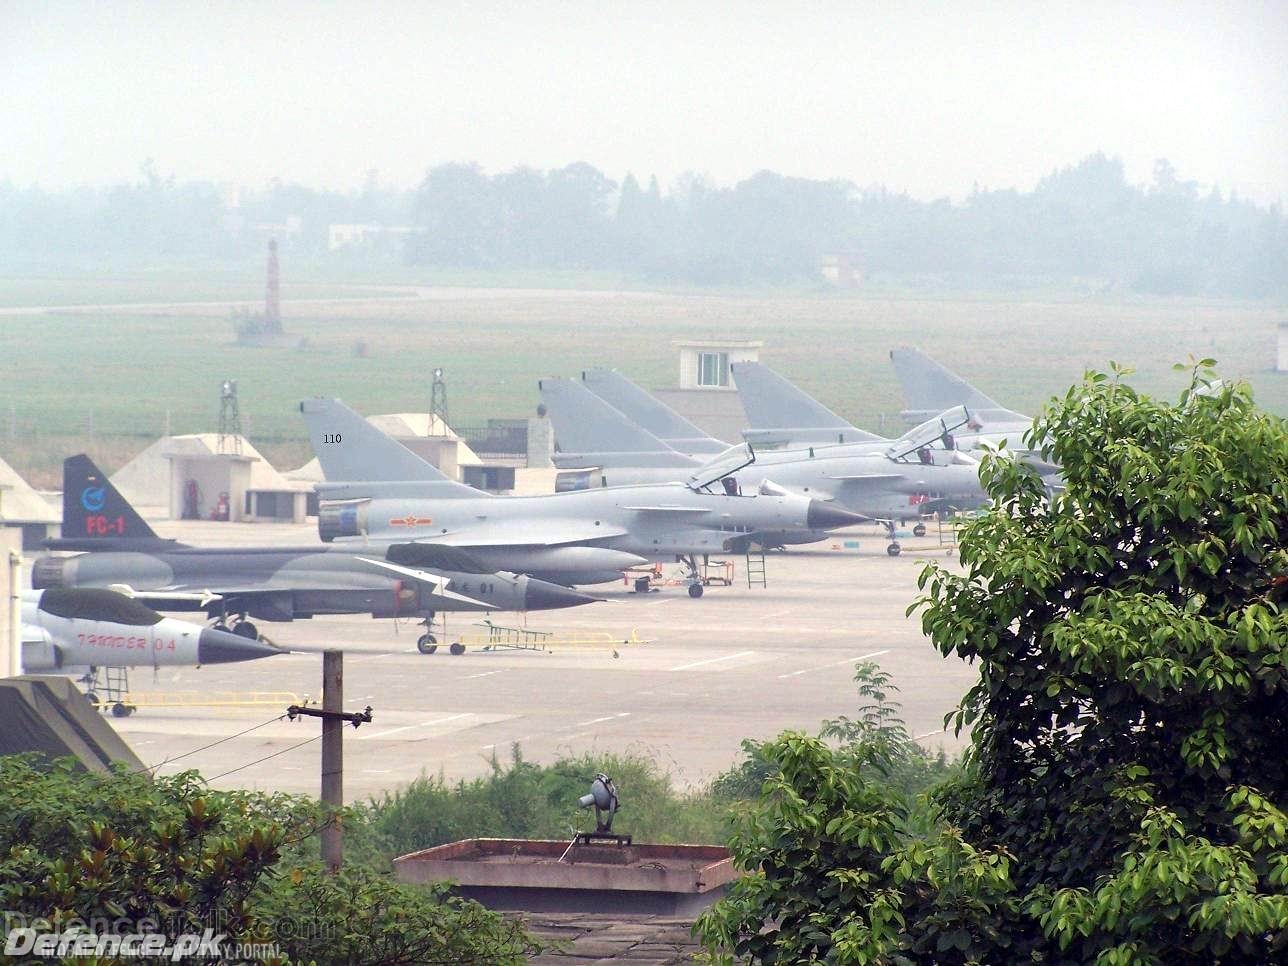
<point x="221" y="508"/>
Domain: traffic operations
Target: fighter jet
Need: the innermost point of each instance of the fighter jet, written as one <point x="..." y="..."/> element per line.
<point x="885" y="481"/>
<point x="650" y="414"/>
<point x="781" y="416"/>
<point x="681" y="521"/>
<point x="80" y="631"/>
<point x="928" y="388"/>
<point x="233" y="584"/>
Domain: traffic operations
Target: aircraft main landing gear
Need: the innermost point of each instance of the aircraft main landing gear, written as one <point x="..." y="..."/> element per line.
<point x="893" y="549"/>
<point x="695" y="591"/>
<point x="244" y="628"/>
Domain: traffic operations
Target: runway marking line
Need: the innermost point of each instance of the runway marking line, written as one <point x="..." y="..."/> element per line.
<point x="711" y="660"/>
<point x="481" y="674"/>
<point x="423" y="724"/>
<point x="607" y="717"/>
<point x="848" y="660"/>
<point x="931" y="734"/>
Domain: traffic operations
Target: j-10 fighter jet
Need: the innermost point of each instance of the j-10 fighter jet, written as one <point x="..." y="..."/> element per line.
<point x="884" y="481"/>
<point x="379" y="501"/>
<point x="234" y="584"/>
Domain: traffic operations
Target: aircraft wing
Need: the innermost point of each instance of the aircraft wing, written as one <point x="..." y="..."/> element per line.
<point x="424" y="576"/>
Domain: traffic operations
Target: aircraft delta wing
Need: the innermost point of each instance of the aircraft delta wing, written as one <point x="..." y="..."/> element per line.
<point x="652" y="521"/>
<point x="234" y="584"/>
<point x="647" y="411"/>
<point x="780" y="415"/>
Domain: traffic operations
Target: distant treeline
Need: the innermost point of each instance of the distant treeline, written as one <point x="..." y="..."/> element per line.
<point x="1084" y="222"/>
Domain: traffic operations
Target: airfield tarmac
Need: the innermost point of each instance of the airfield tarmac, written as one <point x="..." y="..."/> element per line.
<point x="738" y="663"/>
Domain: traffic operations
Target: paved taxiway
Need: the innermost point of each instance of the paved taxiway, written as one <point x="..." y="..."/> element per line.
<point x="739" y="662"/>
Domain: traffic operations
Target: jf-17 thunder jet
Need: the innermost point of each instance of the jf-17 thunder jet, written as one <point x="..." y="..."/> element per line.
<point x="884" y="481"/>
<point x="382" y="491"/>
<point x="80" y="630"/>
<point x="234" y="584"/>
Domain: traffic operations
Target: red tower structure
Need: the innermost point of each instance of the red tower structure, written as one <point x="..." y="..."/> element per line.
<point x="273" y="296"/>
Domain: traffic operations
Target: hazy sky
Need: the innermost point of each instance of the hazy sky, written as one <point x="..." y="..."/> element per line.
<point x="928" y="98"/>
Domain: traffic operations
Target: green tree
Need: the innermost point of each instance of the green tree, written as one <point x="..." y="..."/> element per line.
<point x="170" y="855"/>
<point x="1130" y="717"/>
<point x="1124" y="797"/>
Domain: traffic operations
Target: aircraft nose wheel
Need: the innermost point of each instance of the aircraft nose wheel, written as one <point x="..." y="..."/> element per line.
<point x="427" y="644"/>
<point x="894" y="550"/>
<point x="247" y="630"/>
<point x="919" y="530"/>
<point x="695" y="591"/>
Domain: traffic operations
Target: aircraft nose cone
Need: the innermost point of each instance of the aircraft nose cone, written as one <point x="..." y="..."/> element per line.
<point x="225" y="647"/>
<point x="543" y="595"/>
<point x="829" y="516"/>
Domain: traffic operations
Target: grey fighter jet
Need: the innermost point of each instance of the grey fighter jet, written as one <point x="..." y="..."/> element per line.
<point x="681" y="521"/>
<point x="886" y="481"/>
<point x="231" y="585"/>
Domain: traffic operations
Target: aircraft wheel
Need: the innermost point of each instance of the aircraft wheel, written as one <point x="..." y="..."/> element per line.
<point x="919" y="530"/>
<point x="247" y="630"/>
<point x="427" y="644"/>
<point x="92" y="697"/>
<point x="219" y="626"/>
<point x="695" y="591"/>
<point x="120" y="710"/>
<point x="894" y="550"/>
<point x="457" y="648"/>
<point x="641" y="585"/>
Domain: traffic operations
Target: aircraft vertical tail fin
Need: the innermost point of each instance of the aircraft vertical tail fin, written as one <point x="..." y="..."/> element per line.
<point x="930" y="388"/>
<point x="774" y="404"/>
<point x="351" y="450"/>
<point x="652" y="414"/>
<point x="95" y="514"/>
<point x="585" y="423"/>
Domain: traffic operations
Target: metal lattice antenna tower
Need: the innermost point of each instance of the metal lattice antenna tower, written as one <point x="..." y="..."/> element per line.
<point x="230" y="432"/>
<point x="438" y="403"/>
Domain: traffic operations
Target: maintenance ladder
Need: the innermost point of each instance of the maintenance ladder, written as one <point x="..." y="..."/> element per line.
<point x="756" y="574"/>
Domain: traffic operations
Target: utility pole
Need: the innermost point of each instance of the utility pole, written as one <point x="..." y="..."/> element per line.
<point x="333" y="720"/>
<point x="332" y="757"/>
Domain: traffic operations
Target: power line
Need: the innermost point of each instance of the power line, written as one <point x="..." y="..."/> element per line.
<point x="167" y="761"/>
<point x="265" y="758"/>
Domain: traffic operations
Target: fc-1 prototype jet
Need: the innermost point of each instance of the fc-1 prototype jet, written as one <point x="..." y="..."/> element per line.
<point x="233" y="584"/>
<point x="681" y="521"/>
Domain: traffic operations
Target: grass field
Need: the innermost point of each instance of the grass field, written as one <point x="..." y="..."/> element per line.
<point x="76" y="377"/>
